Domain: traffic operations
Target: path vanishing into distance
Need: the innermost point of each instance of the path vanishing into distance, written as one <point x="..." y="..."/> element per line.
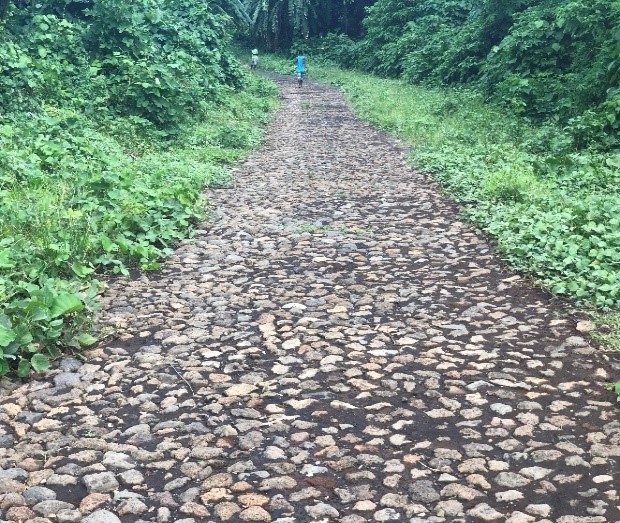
<point x="336" y="345"/>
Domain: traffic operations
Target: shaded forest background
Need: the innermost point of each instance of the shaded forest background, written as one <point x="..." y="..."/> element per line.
<point x="546" y="59"/>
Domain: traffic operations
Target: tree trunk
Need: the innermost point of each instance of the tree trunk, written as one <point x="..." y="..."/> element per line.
<point x="4" y="5"/>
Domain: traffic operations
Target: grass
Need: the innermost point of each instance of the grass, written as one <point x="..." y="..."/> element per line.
<point x="608" y="333"/>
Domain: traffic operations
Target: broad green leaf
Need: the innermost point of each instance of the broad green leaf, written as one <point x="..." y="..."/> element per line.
<point x="39" y="314"/>
<point x="86" y="339"/>
<point x="66" y="303"/>
<point x="7" y="130"/>
<point x="23" y="368"/>
<point x="40" y="362"/>
<point x="5" y="321"/>
<point x="81" y="270"/>
<point x="107" y="244"/>
<point x="6" y="336"/>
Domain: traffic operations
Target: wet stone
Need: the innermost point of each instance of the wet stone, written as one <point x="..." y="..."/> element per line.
<point x="101" y="482"/>
<point x="34" y="495"/>
<point x="423" y="491"/>
<point x="101" y="516"/>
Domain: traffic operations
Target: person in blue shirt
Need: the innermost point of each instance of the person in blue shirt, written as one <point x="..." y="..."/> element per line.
<point x="300" y="67"/>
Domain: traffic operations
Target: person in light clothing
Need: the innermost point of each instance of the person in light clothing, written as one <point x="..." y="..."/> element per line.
<point x="300" y="67"/>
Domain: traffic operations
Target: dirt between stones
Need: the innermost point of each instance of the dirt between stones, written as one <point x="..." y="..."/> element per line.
<point x="334" y="345"/>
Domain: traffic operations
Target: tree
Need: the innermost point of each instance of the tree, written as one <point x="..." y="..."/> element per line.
<point x="277" y="24"/>
<point x="4" y="6"/>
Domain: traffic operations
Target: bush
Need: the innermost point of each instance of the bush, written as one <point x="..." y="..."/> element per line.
<point x="113" y="120"/>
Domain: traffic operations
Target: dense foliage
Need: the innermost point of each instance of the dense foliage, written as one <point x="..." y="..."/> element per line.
<point x="545" y="59"/>
<point x="113" y="117"/>
<point x="280" y="24"/>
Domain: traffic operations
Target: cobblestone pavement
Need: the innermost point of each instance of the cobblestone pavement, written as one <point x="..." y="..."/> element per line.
<point x="335" y="346"/>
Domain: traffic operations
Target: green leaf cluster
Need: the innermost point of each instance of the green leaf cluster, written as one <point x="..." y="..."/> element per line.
<point x="549" y="60"/>
<point x="113" y="118"/>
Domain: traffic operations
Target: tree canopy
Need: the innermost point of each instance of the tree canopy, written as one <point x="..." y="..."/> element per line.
<point x="553" y="59"/>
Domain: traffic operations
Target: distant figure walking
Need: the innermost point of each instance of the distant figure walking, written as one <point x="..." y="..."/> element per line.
<point x="254" y="59"/>
<point x="300" y="68"/>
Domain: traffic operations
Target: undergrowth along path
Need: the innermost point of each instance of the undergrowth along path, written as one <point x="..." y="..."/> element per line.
<point x="336" y="344"/>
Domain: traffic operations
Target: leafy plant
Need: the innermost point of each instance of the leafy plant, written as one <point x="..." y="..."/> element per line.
<point x="114" y="118"/>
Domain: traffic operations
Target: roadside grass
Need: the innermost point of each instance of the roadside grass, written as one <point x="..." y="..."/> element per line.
<point x="88" y="194"/>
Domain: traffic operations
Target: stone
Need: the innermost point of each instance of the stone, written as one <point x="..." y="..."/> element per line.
<point x="16" y="473"/>
<point x="13" y="499"/>
<point x="508" y="495"/>
<point x="322" y="510"/>
<point x="69" y="516"/>
<point x="586" y="326"/>
<point x="541" y="510"/>
<point x="255" y="514"/>
<point x="118" y="461"/>
<point x="131" y="477"/>
<point x="8" y="486"/>
<point x="386" y="514"/>
<point x="19" y="514"/>
<point x="450" y="508"/>
<point x="511" y="480"/>
<point x="101" y="482"/>
<point x="520" y="517"/>
<point x="535" y="473"/>
<point x="226" y="510"/>
<point x="240" y="389"/>
<point x="423" y="491"/>
<point x="94" y="501"/>
<point x="132" y="506"/>
<point x="251" y="500"/>
<point x="461" y="492"/>
<point x="34" y="495"/>
<point x="101" y="516"/>
<point x="485" y="513"/>
<point x="364" y="506"/>
<point x="51" y="507"/>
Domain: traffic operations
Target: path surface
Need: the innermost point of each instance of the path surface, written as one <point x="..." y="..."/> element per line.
<point x="335" y="346"/>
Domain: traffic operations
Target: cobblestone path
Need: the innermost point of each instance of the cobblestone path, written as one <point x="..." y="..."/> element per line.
<point x="334" y="346"/>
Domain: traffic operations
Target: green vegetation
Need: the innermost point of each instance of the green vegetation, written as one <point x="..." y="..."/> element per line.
<point x="113" y="119"/>
<point x="549" y="60"/>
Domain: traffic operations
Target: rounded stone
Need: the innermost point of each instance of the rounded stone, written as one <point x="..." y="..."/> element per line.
<point x="255" y="514"/>
<point x="34" y="495"/>
<point x="101" y="516"/>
